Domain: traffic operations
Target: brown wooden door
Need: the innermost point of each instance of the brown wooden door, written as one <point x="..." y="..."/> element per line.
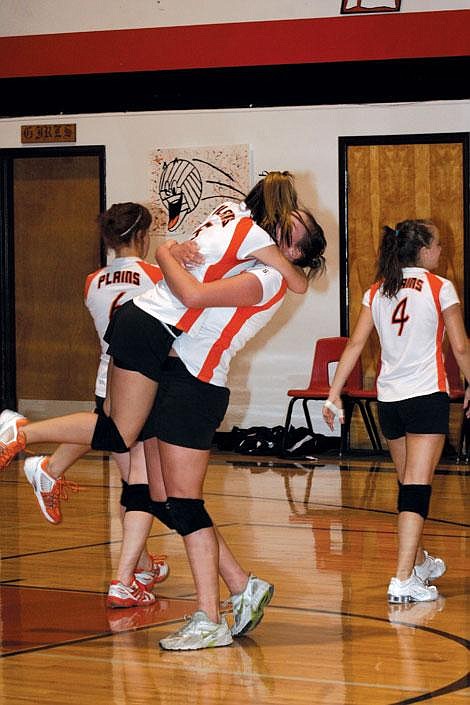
<point x="56" y="201"/>
<point x="387" y="183"/>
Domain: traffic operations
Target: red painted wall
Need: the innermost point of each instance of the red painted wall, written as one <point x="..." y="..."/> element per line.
<point x="332" y="39"/>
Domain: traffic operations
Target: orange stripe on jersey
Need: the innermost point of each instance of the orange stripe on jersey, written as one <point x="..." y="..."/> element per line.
<point x="436" y="285"/>
<point x="154" y="272"/>
<point x="216" y="271"/>
<point x="235" y="324"/>
<point x="373" y="290"/>
<point x="89" y="279"/>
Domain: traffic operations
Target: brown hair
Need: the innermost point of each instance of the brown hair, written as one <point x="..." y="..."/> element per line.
<point x="120" y="223"/>
<point x="312" y="245"/>
<point x="272" y="202"/>
<point x="400" y="248"/>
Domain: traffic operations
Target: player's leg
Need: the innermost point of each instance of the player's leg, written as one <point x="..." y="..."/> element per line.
<point x="138" y="570"/>
<point x="422" y="455"/>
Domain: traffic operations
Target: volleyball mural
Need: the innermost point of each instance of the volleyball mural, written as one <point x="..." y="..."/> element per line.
<point x="187" y="183"/>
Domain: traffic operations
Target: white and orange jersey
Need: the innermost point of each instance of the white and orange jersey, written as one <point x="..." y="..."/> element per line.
<point x="110" y="287"/>
<point x="227" y="240"/>
<point x="411" y="330"/>
<point x="227" y="330"/>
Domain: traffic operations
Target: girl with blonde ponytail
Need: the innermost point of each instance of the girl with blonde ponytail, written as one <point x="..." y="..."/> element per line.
<point x="180" y="337"/>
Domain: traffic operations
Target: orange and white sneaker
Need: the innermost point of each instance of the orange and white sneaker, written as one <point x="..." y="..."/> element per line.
<point x="134" y="595"/>
<point x="48" y="490"/>
<point x="12" y="440"/>
<point x="157" y="573"/>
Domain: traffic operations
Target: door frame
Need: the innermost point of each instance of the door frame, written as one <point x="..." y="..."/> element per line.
<point x="462" y="138"/>
<point x="8" y="397"/>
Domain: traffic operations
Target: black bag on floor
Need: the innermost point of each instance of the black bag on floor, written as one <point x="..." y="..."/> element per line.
<point x="301" y="444"/>
<point x="261" y="440"/>
<point x="256" y="440"/>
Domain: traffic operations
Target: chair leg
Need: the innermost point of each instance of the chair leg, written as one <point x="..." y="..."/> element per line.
<point x="375" y="430"/>
<point x="367" y="424"/>
<point x="287" y="423"/>
<point x="463" y="440"/>
<point x="348" y="407"/>
<point x="307" y="417"/>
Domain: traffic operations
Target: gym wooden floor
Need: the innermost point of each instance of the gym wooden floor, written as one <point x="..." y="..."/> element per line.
<point x="323" y="532"/>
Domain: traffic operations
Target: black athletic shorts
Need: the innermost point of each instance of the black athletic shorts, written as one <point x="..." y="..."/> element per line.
<point x="425" y="414"/>
<point x="187" y="412"/>
<point x="137" y="341"/>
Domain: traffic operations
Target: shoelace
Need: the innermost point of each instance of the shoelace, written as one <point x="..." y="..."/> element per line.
<point x="188" y="618"/>
<point x="157" y="562"/>
<point x="59" y="491"/>
<point x="140" y="593"/>
<point x="9" y="450"/>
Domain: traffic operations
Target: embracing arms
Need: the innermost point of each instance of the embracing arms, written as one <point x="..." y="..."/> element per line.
<point x="188" y="253"/>
<point x="240" y="290"/>
<point x="295" y="277"/>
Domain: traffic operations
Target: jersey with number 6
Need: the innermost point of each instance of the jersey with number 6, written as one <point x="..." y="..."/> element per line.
<point x="411" y="330"/>
<point x="107" y="289"/>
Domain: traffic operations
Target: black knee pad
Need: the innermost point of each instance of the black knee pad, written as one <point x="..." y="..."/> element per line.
<point x="414" y="498"/>
<point x="123" y="499"/>
<point x="188" y="515"/>
<point x="138" y="498"/>
<point x="161" y="511"/>
<point x="107" y="436"/>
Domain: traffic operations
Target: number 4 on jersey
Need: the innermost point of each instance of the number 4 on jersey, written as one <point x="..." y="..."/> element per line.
<point x="399" y="315"/>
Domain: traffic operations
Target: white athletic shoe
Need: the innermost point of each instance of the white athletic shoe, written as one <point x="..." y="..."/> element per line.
<point x="411" y="590"/>
<point x="134" y="595"/>
<point x="198" y="633"/>
<point x="48" y="490"/>
<point x="248" y="606"/>
<point x="12" y="440"/>
<point x="431" y="568"/>
<point x="7" y="416"/>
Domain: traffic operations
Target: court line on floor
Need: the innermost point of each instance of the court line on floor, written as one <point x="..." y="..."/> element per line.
<point x="452" y="687"/>
<point x="91" y="637"/>
<point x="308" y="526"/>
<point x="332" y="466"/>
<point x="322" y="505"/>
<point x="316" y="504"/>
<point x="243" y="673"/>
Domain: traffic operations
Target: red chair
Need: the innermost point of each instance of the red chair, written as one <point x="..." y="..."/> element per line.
<point x="456" y="395"/>
<point x="364" y="398"/>
<point x="327" y="351"/>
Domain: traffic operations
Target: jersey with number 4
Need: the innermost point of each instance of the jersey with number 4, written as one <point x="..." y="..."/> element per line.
<point x="411" y="330"/>
<point x="109" y="288"/>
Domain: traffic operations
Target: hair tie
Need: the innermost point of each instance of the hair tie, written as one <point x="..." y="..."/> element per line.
<point x="126" y="232"/>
